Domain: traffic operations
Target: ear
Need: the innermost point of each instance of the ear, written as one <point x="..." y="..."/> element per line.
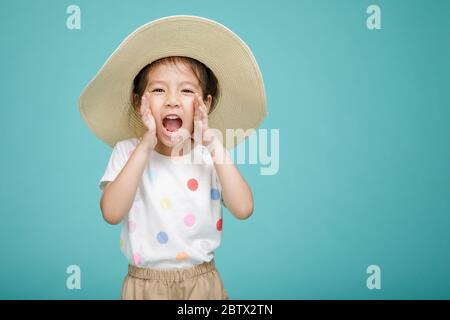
<point x="208" y="102"/>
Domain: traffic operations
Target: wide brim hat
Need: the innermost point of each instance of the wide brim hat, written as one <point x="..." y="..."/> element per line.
<point x="240" y="101"/>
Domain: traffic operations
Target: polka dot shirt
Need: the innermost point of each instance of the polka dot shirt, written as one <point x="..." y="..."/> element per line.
<point x="176" y="217"/>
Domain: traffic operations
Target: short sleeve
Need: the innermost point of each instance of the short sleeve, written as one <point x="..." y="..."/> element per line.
<point x="116" y="162"/>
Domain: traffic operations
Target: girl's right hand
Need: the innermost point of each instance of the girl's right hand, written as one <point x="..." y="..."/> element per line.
<point x="149" y="138"/>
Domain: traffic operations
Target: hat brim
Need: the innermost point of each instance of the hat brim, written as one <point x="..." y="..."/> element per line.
<point x="240" y="104"/>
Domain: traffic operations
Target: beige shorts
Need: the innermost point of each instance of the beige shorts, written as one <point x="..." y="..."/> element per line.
<point x="199" y="282"/>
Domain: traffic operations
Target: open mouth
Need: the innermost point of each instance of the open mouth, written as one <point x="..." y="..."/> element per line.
<point x="172" y="122"/>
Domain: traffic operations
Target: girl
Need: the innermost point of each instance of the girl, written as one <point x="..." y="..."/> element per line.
<point x="170" y="206"/>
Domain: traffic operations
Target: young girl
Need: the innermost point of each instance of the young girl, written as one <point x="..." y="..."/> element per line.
<point x="170" y="206"/>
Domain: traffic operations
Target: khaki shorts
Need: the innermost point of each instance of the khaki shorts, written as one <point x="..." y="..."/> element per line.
<point x="199" y="282"/>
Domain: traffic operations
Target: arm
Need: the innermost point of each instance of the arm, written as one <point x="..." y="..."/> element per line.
<point x="118" y="195"/>
<point x="236" y="193"/>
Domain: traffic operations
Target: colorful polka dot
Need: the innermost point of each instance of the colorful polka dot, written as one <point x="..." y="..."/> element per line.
<point x="189" y="220"/>
<point x="137" y="258"/>
<point x="192" y="184"/>
<point x="162" y="237"/>
<point x="219" y="225"/>
<point x="165" y="203"/>
<point x="131" y="226"/>
<point x="182" y="256"/>
<point x="151" y="175"/>
<point x="215" y="194"/>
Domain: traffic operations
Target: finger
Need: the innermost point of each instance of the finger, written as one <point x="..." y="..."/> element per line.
<point x="149" y="120"/>
<point x="198" y="124"/>
<point x="201" y="103"/>
<point x="203" y="111"/>
<point x="144" y="103"/>
<point x="204" y="115"/>
<point x="198" y="129"/>
<point x="200" y="100"/>
<point x="146" y="120"/>
<point x="197" y="114"/>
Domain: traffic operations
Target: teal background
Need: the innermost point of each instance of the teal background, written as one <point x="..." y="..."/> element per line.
<point x="364" y="150"/>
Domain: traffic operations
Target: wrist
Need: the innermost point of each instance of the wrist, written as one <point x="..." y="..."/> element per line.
<point x="210" y="138"/>
<point x="218" y="151"/>
<point x="146" y="145"/>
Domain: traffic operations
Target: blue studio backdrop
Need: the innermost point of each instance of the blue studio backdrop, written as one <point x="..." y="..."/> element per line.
<point x="359" y="93"/>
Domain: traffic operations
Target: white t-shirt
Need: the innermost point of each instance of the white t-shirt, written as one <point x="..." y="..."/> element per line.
<point x="176" y="218"/>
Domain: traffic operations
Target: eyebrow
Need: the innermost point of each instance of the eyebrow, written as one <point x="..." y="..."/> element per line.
<point x="163" y="82"/>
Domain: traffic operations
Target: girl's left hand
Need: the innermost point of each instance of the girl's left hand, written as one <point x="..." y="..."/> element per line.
<point x="202" y="133"/>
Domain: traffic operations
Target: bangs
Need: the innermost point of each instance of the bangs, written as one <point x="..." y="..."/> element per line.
<point x="196" y="67"/>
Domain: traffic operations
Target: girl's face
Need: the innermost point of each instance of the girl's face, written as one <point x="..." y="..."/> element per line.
<point x="171" y="100"/>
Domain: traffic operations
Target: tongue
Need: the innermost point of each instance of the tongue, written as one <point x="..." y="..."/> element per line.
<point x="172" y="124"/>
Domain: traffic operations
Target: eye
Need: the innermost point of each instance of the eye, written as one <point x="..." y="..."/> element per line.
<point x="187" y="90"/>
<point x="158" y="90"/>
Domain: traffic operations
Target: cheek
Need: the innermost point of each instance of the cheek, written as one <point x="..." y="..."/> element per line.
<point x="188" y="101"/>
<point x="189" y="110"/>
<point x="155" y="107"/>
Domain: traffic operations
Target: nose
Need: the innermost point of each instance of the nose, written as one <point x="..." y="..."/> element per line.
<point x="172" y="100"/>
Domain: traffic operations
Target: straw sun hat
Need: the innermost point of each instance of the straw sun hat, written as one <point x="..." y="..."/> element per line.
<point x="240" y="102"/>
